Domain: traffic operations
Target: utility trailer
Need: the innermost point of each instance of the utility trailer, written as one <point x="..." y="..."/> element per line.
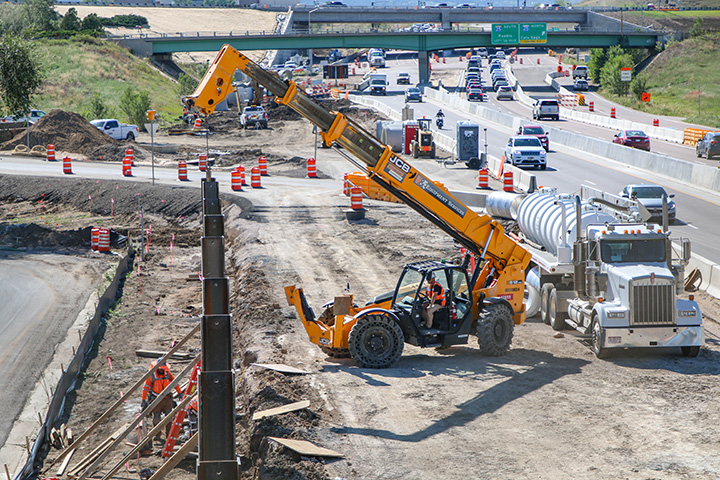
<point x="617" y="282"/>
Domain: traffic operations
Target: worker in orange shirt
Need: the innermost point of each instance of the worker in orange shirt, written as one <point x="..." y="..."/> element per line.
<point x="157" y="382"/>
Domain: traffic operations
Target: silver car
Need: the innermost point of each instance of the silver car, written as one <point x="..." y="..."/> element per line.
<point x="526" y="150"/>
<point x="651" y="197"/>
<point x="505" y="92"/>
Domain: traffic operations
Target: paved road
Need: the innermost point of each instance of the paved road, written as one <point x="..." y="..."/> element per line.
<point x="569" y="168"/>
<point x="41" y="296"/>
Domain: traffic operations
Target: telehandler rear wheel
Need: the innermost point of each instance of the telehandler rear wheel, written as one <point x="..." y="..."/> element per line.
<point x="376" y="341"/>
<point x="495" y="329"/>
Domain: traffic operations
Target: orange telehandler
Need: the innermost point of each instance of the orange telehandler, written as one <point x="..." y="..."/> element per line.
<point x="487" y="302"/>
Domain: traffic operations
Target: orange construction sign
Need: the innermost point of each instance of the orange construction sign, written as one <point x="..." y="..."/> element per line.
<point x="645" y="97"/>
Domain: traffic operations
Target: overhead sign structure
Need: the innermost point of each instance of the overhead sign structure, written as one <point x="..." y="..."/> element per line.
<point x="626" y="74"/>
<point x="518" y="33"/>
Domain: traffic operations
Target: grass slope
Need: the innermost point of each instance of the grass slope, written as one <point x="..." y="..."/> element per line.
<point x="677" y="74"/>
<point x="76" y="70"/>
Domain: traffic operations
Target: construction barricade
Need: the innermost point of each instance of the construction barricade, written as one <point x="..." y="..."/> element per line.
<point x="591" y="106"/>
<point x="202" y="162"/>
<point x="483" y="178"/>
<point x="612" y="112"/>
<point x="94" y="235"/>
<point x="255" y="177"/>
<point x="568" y="100"/>
<point x="127" y="167"/>
<point x="311" y="168"/>
<point x="131" y="155"/>
<point x="50" y="153"/>
<point x="235" y="181"/>
<point x="67" y="166"/>
<point x="103" y="240"/>
<point x="508" y="181"/>
<point x="182" y="171"/>
<point x="262" y="165"/>
<point x="691" y="136"/>
<point x="241" y="170"/>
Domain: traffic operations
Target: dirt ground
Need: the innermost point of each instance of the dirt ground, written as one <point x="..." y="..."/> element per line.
<point x="549" y="409"/>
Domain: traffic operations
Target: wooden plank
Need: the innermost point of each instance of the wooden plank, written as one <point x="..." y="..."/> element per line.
<point x="176" y="458"/>
<point x="160" y="353"/>
<point x="280" y="368"/>
<point x="306" y="448"/>
<point x="121" y="400"/>
<point x="291" y="407"/>
<point x="102" y="448"/>
<point x="64" y="464"/>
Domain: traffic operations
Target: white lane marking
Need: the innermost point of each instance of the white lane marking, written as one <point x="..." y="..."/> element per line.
<point x="692" y="226"/>
<point x="591" y="183"/>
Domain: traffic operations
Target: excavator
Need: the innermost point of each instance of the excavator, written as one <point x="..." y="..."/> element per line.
<point x="485" y="301"/>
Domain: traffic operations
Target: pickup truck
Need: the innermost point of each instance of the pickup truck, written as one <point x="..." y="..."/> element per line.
<point x="581" y="71"/>
<point x="117" y="130"/>
<point x="253" y="116"/>
<point x="546" y="108"/>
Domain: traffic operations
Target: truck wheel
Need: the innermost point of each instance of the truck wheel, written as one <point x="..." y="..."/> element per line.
<point x="556" y="317"/>
<point x="432" y="151"/>
<point x="690" y="351"/>
<point x="335" y="352"/>
<point x="263" y="125"/>
<point x="474" y="163"/>
<point x="597" y="334"/>
<point x="376" y="341"/>
<point x="545" y="302"/>
<point x="495" y="329"/>
<point x="130" y="137"/>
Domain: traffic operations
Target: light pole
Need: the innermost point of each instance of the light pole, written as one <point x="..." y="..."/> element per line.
<point x="309" y="23"/>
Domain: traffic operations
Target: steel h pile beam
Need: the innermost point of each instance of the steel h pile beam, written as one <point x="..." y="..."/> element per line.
<point x="217" y="458"/>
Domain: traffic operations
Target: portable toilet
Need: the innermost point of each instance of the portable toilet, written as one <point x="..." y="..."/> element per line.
<point x="468" y="143"/>
<point x="410" y="131"/>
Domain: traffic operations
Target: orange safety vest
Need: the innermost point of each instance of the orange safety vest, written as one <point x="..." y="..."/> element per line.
<point x="440" y="296"/>
<point x="157" y="382"/>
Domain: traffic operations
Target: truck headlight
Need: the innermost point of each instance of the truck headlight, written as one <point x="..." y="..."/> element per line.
<point x="686" y="313"/>
<point x="616" y="314"/>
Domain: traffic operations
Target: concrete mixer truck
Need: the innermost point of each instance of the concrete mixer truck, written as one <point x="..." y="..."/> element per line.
<point x="606" y="276"/>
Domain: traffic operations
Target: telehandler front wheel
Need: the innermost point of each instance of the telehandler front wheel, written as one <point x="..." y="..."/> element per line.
<point x="495" y="329"/>
<point x="333" y="352"/>
<point x="376" y="341"/>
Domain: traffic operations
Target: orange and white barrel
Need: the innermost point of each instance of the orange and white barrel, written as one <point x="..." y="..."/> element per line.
<point x="346" y="185"/>
<point x="520" y="59"/>
<point x="131" y="155"/>
<point x="356" y="198"/>
<point x="255" y="177"/>
<point x="311" y="168"/>
<point x="241" y="170"/>
<point x="127" y="167"/>
<point x="103" y="240"/>
<point x="182" y="170"/>
<point x="508" y="182"/>
<point x="612" y="112"/>
<point x="202" y="162"/>
<point x="94" y="234"/>
<point x="67" y="166"/>
<point x="51" y="153"/>
<point x="198" y="124"/>
<point x="262" y="165"/>
<point x="235" y="181"/>
<point x="591" y="106"/>
<point x="483" y="178"/>
<point x="656" y="122"/>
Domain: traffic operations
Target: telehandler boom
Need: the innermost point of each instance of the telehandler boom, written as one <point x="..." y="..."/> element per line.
<point x="486" y="302"/>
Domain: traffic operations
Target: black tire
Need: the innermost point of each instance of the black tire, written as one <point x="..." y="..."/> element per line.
<point x="414" y="150"/>
<point x="130" y="137"/>
<point x="597" y="334"/>
<point x="474" y="163"/>
<point x="263" y="125"/>
<point x="495" y="329"/>
<point x="543" y="167"/>
<point x="545" y="302"/>
<point x="556" y="317"/>
<point x="335" y="352"/>
<point x="432" y="151"/>
<point x="690" y="351"/>
<point x="376" y="341"/>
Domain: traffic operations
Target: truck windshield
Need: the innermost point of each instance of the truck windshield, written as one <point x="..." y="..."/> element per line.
<point x="632" y="251"/>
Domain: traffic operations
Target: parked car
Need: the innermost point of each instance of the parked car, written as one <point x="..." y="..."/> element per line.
<point x="633" y="138"/>
<point x="35" y="115"/>
<point x="524" y="150"/>
<point x="403" y="79"/>
<point x="505" y="93"/>
<point x="253" y="116"/>
<point x="476" y="93"/>
<point x="709" y="145"/>
<point x="536" y="131"/>
<point x="546" y="108"/>
<point x="651" y="197"/>
<point x="580" y="85"/>
<point x="335" y="3"/>
<point x="413" y="94"/>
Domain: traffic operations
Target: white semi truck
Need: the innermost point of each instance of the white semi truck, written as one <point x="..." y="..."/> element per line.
<point x="612" y="278"/>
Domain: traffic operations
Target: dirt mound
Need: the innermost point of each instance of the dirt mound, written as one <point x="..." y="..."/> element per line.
<point x="68" y="131"/>
<point x="36" y="236"/>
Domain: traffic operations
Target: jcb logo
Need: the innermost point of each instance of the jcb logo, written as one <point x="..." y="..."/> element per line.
<point x="400" y="164"/>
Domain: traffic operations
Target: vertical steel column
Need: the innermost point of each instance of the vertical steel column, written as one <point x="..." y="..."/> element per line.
<point x="216" y="386"/>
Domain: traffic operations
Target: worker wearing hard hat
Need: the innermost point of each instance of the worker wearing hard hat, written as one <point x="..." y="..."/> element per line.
<point x="160" y="378"/>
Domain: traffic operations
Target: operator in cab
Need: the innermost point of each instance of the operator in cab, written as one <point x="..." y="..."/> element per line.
<point x="436" y="300"/>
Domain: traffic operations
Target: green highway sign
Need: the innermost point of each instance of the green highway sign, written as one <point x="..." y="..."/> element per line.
<point x="504" y="33"/>
<point x="533" y="33"/>
<point x="518" y="33"/>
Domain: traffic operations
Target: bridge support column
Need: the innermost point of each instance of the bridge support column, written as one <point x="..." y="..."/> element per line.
<point x="424" y="67"/>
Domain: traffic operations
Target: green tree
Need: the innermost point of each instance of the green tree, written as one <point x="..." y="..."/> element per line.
<point x="186" y="84"/>
<point x="697" y="28"/>
<point x="92" y="22"/>
<point x="12" y="18"/>
<point x="98" y="109"/>
<point x="135" y="106"/>
<point x="598" y="57"/>
<point x="610" y="74"/>
<point x="40" y="15"/>
<point x="21" y="74"/>
<point x="638" y="86"/>
<point x="70" y="21"/>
